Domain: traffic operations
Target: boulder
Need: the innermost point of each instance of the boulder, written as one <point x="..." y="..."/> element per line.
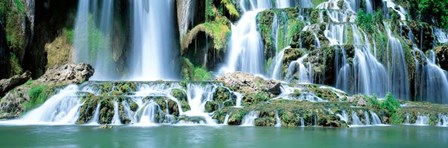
<point x="249" y="84"/>
<point x="68" y="73"/>
<point x="8" y="84"/>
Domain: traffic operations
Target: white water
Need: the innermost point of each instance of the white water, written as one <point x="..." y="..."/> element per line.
<point x="278" y="122"/>
<point x="443" y="121"/>
<point x="366" y="118"/>
<point x="355" y="120"/>
<point x="344" y="116"/>
<point x="422" y="120"/>
<point x="116" y="118"/>
<point x="249" y="119"/>
<point x="302" y="122"/>
<point x="92" y="38"/>
<point x="96" y="115"/>
<point x="375" y="119"/>
<point x="246" y="51"/>
<point x="441" y="35"/>
<point x="153" y="51"/>
<point x="62" y="108"/>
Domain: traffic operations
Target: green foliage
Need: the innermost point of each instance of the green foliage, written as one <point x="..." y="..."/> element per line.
<point x="365" y="21"/>
<point x="201" y="74"/>
<point x="373" y="102"/>
<point x="38" y="95"/>
<point x="390" y="103"/>
<point x="70" y="34"/>
<point x="20" y="6"/>
<point x="396" y="118"/>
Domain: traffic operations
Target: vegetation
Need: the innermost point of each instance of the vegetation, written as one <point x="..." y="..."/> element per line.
<point x="38" y="95"/>
<point x="390" y="104"/>
<point x="201" y="74"/>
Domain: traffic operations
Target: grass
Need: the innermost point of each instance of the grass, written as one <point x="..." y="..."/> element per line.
<point x="38" y="95"/>
<point x="201" y="74"/>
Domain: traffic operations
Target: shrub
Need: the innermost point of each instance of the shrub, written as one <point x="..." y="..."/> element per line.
<point x="390" y="104"/>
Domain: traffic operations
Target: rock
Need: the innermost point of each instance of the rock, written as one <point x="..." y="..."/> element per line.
<point x="442" y="56"/>
<point x="249" y="84"/>
<point x="362" y="102"/>
<point x="8" y="84"/>
<point x="68" y="73"/>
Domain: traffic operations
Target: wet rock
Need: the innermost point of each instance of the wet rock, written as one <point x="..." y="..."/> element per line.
<point x="68" y="73"/>
<point x="442" y="56"/>
<point x="8" y="84"/>
<point x="249" y="84"/>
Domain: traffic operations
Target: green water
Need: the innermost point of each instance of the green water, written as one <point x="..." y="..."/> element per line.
<point x="222" y="136"/>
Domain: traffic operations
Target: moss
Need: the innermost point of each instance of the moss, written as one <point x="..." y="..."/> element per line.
<point x="37" y="96"/>
<point x="201" y="74"/>
<point x="70" y="34"/>
<point x="15" y="65"/>
<point x="187" y="69"/>
<point x="230" y="8"/>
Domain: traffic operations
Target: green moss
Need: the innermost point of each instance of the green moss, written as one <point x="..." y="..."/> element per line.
<point x="231" y="8"/>
<point x="219" y="31"/>
<point x="37" y="95"/>
<point x="14" y="62"/>
<point x="70" y="34"/>
<point x="201" y="74"/>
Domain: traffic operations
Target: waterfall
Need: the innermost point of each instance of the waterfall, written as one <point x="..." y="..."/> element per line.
<point x="443" y="121"/>
<point x="375" y="119"/>
<point x="344" y="117"/>
<point x="366" y="118"/>
<point x="239" y="99"/>
<point x="96" y="115"/>
<point x="302" y="122"/>
<point x="398" y="80"/>
<point x="148" y="114"/>
<point x="245" y="51"/>
<point x="304" y="72"/>
<point x="422" y="120"/>
<point x="277" y="67"/>
<point x="197" y="97"/>
<point x="92" y="38"/>
<point x="278" y="122"/>
<point x="249" y="119"/>
<point x="81" y="40"/>
<point x="116" y="118"/>
<point x="355" y="119"/>
<point x="153" y="51"/>
<point x="62" y="108"/>
<point x="441" y="35"/>
<point x="226" y="119"/>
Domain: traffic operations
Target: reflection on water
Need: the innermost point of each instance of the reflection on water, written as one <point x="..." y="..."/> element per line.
<point x="222" y="136"/>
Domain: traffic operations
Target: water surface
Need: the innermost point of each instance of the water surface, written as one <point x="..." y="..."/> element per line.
<point x="221" y="136"/>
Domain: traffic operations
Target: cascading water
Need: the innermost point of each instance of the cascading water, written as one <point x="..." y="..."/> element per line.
<point x="278" y="122"/>
<point x="249" y="119"/>
<point x="375" y="119"/>
<point x="62" y="108"/>
<point x="92" y="37"/>
<point x="96" y="115"/>
<point x="355" y="120"/>
<point x="246" y="48"/>
<point x="153" y="52"/>
<point x="422" y="120"/>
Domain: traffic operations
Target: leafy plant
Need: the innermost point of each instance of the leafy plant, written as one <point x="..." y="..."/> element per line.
<point x="390" y="103"/>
